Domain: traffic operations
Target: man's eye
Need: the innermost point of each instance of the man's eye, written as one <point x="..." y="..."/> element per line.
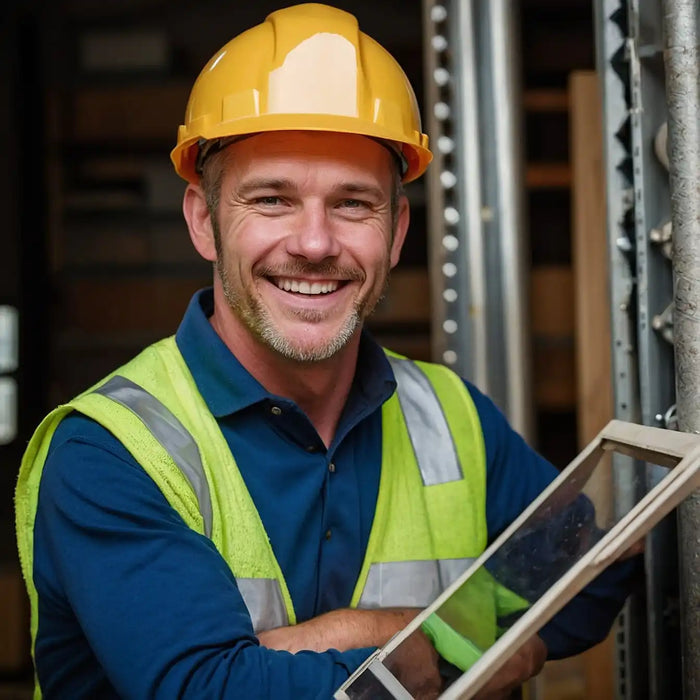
<point x="270" y="201"/>
<point x="353" y="203"/>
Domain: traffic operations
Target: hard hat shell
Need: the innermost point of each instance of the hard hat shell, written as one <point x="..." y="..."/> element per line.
<point x="307" y="67"/>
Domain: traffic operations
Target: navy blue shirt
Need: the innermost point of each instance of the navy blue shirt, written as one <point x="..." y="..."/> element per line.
<point x="133" y="603"/>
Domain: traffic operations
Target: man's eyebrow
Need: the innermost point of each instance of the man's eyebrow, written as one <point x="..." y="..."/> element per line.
<point x="265" y="183"/>
<point x="361" y="188"/>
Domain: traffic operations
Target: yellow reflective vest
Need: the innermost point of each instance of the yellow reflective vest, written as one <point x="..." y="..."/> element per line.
<point x="430" y="520"/>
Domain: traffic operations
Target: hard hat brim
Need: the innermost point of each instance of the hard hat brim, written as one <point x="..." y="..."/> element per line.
<point x="184" y="155"/>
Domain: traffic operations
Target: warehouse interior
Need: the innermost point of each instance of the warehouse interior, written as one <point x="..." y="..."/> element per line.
<point x="98" y="264"/>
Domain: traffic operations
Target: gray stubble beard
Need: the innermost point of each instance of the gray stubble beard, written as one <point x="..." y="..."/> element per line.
<point x="256" y="318"/>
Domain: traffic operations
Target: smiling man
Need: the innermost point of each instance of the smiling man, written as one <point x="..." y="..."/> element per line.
<point x="250" y="507"/>
<point x="301" y="260"/>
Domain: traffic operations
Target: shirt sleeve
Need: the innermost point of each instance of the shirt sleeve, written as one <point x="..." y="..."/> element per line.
<point x="126" y="586"/>
<point x="515" y="473"/>
<point x="515" y="476"/>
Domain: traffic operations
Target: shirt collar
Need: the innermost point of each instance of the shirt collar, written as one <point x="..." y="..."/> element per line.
<point x="227" y="387"/>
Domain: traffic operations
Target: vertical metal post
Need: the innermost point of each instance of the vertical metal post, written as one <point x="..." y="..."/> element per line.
<point x="683" y="97"/>
<point x="476" y="234"/>
<point x="456" y="240"/>
<point x="467" y="137"/>
<point x="507" y="125"/>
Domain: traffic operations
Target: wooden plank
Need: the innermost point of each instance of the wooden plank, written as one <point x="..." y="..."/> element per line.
<point x="546" y="100"/>
<point x="104" y="305"/>
<point x="552" y="301"/>
<point x="150" y="113"/>
<point x="111" y="242"/>
<point x="97" y="246"/>
<point x="554" y="374"/>
<point x="407" y="298"/>
<point x="551" y="313"/>
<point x="592" y="303"/>
<point x="590" y="260"/>
<point x="540" y="176"/>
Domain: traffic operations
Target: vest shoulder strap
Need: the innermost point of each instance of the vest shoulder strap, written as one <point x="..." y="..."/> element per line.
<point x="430" y="519"/>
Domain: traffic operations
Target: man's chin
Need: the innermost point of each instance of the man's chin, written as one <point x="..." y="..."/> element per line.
<point x="306" y="352"/>
<point x="302" y="348"/>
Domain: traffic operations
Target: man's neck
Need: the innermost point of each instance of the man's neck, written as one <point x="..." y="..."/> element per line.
<point x="320" y="389"/>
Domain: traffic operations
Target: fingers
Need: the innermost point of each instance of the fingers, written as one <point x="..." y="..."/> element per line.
<point x="634" y="550"/>
<point x="523" y="665"/>
<point x="415" y="664"/>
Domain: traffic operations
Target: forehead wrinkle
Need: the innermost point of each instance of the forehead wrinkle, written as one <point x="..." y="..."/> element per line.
<point x="361" y="188"/>
<point x="266" y="183"/>
<point x="244" y="158"/>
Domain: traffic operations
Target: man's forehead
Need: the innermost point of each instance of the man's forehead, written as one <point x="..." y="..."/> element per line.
<point x="359" y="153"/>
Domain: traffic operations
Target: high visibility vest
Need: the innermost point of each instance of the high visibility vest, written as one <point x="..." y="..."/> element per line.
<point x="429" y="523"/>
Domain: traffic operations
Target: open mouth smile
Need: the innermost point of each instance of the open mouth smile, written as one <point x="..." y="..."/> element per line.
<point x="288" y="284"/>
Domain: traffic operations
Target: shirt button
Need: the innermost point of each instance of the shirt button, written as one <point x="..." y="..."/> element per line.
<point x="328" y="534"/>
<point x="331" y="468"/>
<point x="276" y="411"/>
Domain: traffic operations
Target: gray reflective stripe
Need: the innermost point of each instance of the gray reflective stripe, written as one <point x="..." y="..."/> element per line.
<point x="410" y="583"/>
<point x="264" y="601"/>
<point x="169" y="432"/>
<point x="262" y="597"/>
<point x="430" y="435"/>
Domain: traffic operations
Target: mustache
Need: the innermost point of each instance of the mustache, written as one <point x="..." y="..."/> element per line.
<point x="307" y="269"/>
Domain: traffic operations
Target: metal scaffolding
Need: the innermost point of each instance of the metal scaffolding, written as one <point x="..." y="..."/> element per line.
<point x="630" y="65"/>
<point x="682" y="59"/>
<point x="477" y="239"/>
<point x="650" y="102"/>
<point x="647" y="61"/>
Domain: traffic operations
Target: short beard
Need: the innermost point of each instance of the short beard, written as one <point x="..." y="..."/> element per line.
<point x="257" y="320"/>
<point x="282" y="346"/>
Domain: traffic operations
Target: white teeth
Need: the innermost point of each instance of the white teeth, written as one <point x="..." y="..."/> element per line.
<point x="303" y="287"/>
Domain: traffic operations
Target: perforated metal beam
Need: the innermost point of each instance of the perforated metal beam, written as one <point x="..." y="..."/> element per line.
<point x="476" y="231"/>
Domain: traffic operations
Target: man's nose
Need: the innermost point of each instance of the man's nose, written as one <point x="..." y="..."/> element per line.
<point x="313" y="236"/>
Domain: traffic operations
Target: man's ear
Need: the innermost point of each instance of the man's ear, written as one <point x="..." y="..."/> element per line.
<point x="402" y="220"/>
<point x="196" y="212"/>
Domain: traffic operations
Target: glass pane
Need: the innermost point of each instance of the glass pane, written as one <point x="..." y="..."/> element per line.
<point x="551" y="540"/>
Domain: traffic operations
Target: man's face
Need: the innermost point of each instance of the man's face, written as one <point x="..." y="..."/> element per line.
<point x="304" y="238"/>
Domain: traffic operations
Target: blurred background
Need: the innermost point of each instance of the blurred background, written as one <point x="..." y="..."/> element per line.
<point x="96" y="262"/>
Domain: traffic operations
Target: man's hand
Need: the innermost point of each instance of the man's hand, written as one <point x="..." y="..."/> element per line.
<point x="414" y="663"/>
<point x="637" y="548"/>
<point x="523" y="665"/>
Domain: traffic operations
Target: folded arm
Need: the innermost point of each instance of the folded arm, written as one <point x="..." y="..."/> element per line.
<point x="339" y="629"/>
<point x="134" y="602"/>
<point x="415" y="664"/>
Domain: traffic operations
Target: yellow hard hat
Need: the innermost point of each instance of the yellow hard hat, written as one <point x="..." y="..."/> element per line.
<point x="306" y="67"/>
